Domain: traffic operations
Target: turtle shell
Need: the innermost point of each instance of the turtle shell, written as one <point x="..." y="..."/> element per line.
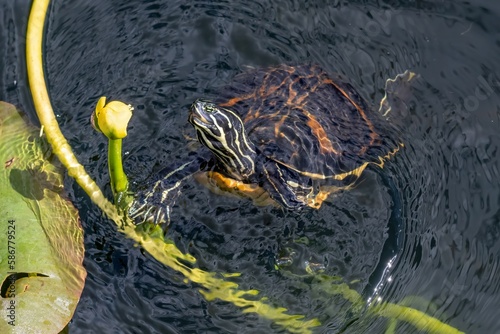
<point x="309" y="121"/>
<point x="312" y="134"/>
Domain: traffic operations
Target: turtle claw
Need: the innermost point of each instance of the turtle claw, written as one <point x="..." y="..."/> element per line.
<point x="153" y="206"/>
<point x="141" y="212"/>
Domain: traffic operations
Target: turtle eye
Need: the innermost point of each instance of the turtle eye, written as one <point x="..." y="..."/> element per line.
<point x="210" y="108"/>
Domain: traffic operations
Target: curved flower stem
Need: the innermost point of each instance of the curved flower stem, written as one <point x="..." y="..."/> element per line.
<point x="46" y="115"/>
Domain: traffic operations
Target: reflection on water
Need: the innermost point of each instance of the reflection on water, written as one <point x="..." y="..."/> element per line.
<point x="435" y="208"/>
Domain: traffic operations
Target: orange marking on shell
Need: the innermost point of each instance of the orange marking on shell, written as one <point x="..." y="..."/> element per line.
<point x="278" y="125"/>
<point x="319" y="132"/>
<point x="373" y="134"/>
<point x="301" y="98"/>
<point x="272" y="89"/>
<point x="266" y="89"/>
<point x="234" y="100"/>
<point x="251" y="115"/>
<point x="292" y="93"/>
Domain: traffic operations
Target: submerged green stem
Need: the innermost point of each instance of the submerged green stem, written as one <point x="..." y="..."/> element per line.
<point x="418" y="319"/>
<point x="119" y="181"/>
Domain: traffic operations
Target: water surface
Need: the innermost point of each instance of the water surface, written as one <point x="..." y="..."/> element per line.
<point x="435" y="208"/>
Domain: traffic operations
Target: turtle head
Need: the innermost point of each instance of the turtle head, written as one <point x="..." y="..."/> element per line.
<point x="222" y="131"/>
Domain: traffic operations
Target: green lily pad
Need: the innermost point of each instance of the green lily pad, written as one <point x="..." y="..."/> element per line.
<point x="41" y="240"/>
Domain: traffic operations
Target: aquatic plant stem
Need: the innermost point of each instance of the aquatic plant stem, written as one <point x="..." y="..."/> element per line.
<point x="111" y="119"/>
<point x="119" y="181"/>
<point x="418" y="319"/>
<point x="46" y="115"/>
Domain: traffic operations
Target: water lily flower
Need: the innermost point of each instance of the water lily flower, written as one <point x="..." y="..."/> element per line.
<point x="112" y="119"/>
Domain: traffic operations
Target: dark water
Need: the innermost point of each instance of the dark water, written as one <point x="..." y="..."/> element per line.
<point x="435" y="209"/>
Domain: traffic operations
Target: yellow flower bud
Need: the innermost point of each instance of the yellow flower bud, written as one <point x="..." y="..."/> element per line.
<point x="112" y="118"/>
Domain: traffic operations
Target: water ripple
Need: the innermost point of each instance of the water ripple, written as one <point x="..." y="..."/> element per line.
<point x="434" y="208"/>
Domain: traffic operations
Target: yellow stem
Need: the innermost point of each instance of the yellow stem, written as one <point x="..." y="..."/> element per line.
<point x="34" y="39"/>
<point x="419" y="319"/>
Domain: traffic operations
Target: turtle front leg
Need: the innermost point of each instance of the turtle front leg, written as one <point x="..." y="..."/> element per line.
<point x="277" y="181"/>
<point x="155" y="204"/>
<point x="155" y="201"/>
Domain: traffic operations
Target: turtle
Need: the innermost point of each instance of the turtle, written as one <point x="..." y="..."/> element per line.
<point x="287" y="135"/>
